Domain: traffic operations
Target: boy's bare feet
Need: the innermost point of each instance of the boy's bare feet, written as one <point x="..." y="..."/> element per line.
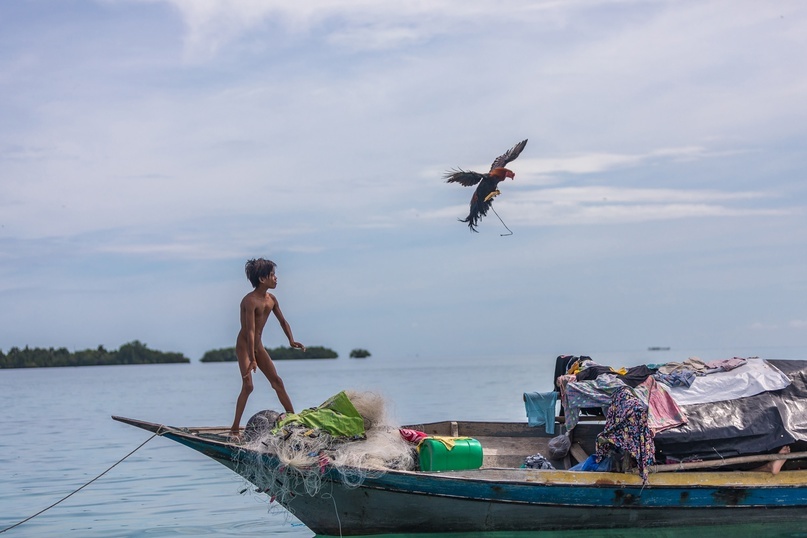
<point x="775" y="466"/>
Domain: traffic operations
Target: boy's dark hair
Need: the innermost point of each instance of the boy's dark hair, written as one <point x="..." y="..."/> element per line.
<point x="257" y="269"/>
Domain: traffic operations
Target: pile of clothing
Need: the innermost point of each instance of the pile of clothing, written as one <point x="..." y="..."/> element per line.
<point x="649" y="409"/>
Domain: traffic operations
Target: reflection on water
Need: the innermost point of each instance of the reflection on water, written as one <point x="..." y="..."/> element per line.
<point x="57" y="435"/>
<point x="792" y="530"/>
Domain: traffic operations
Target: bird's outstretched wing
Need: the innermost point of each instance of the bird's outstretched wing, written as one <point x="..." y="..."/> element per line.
<point x="463" y="177"/>
<point x="510" y="155"/>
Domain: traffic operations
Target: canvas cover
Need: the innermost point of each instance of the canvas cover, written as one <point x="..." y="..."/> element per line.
<point x="749" y="425"/>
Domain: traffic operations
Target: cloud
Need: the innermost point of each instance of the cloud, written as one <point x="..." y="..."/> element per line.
<point x="547" y="169"/>
<point x="797" y="324"/>
<point x="592" y="204"/>
<point x="600" y="162"/>
<point x="572" y="206"/>
<point x="320" y="131"/>
<point x="378" y="37"/>
<point x="618" y="195"/>
<point x="361" y="24"/>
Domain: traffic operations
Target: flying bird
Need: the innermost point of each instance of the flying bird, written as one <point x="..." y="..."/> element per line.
<point x="487" y="189"/>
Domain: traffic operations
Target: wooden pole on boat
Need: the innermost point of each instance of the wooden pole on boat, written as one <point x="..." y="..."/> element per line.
<point x="759" y="458"/>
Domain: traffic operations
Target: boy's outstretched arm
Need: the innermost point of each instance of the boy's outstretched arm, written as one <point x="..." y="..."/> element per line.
<point x="286" y="328"/>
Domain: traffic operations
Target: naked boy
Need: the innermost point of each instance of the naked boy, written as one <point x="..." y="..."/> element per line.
<point x="256" y="307"/>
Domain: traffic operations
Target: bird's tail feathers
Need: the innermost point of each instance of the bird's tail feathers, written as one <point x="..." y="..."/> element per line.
<point x="471" y="223"/>
<point x="478" y="210"/>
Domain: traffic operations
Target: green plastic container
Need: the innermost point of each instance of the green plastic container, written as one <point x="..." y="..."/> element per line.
<point x="435" y="455"/>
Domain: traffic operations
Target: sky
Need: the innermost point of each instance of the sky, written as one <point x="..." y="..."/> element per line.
<point x="148" y="148"/>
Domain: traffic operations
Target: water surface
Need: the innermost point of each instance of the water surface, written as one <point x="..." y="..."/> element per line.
<point x="57" y="435"/>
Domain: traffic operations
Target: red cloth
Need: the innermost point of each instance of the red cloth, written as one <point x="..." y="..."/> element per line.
<point x="413" y="436"/>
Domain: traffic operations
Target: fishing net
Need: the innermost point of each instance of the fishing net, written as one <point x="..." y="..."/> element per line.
<point x="287" y="457"/>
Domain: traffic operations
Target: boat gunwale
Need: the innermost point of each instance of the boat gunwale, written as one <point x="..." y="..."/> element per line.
<point x="546" y="477"/>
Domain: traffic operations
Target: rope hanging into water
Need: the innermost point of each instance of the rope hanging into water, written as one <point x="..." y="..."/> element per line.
<point x="503" y="224"/>
<point x="82" y="487"/>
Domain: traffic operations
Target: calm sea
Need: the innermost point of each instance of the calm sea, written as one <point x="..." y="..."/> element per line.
<point x="57" y="435"/>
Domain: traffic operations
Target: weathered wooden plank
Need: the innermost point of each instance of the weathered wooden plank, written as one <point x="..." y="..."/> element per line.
<point x="737" y="460"/>
<point x="577" y="451"/>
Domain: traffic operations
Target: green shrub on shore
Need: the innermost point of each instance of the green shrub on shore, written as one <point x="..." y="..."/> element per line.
<point x="278" y="354"/>
<point x="134" y="352"/>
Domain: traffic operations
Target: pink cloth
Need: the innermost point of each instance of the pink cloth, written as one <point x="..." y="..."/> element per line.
<point x="662" y="411"/>
<point x="413" y="436"/>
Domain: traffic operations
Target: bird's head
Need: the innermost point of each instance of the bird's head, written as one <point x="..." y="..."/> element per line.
<point x="502" y="173"/>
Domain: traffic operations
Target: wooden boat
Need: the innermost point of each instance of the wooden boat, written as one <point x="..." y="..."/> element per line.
<point x="501" y="496"/>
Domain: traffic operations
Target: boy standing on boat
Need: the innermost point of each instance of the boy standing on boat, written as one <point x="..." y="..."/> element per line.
<point x="256" y="307"/>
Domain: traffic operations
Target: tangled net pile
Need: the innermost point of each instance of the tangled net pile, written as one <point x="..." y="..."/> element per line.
<point x="305" y="455"/>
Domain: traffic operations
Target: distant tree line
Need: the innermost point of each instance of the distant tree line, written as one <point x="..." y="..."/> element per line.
<point x="227" y="354"/>
<point x="136" y="352"/>
<point x="132" y="353"/>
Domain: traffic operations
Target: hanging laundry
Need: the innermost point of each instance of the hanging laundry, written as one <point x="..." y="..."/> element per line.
<point x="662" y="411"/>
<point x="541" y="409"/>
<point x="626" y="428"/>
<point x="577" y="395"/>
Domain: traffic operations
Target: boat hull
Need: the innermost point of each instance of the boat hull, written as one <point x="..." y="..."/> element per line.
<point x="367" y="510"/>
<point x="491" y="499"/>
<point x="397" y="503"/>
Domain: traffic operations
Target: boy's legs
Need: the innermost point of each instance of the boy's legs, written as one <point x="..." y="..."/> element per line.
<point x="246" y="388"/>
<point x="268" y="368"/>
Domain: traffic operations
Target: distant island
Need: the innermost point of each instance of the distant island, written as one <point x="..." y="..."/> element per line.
<point x="227" y="354"/>
<point x="132" y="353"/>
<point x="137" y="352"/>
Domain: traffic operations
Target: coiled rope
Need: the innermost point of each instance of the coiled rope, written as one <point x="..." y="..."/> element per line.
<point x="158" y="432"/>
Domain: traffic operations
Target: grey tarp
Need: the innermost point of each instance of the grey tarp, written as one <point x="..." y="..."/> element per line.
<point x="751" y="425"/>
